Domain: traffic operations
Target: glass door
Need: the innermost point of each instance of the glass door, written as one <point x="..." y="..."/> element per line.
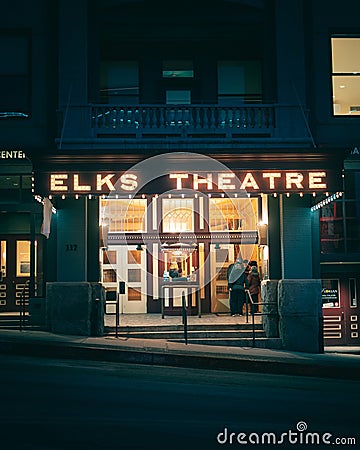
<point x="221" y="256"/>
<point x="15" y="272"/>
<point x="126" y="263"/>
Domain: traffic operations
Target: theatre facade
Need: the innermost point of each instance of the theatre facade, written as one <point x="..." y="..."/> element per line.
<point x="154" y="139"/>
<point x="126" y="224"/>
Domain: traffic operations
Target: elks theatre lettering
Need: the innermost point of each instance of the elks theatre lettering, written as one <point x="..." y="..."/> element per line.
<point x="251" y="181"/>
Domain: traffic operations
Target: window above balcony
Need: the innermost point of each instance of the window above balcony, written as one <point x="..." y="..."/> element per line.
<point x="346" y="75"/>
<point x="119" y="82"/>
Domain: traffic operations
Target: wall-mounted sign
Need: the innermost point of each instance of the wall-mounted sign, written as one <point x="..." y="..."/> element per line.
<point x="12" y="154"/>
<point x="330" y="293"/>
<point x="268" y="181"/>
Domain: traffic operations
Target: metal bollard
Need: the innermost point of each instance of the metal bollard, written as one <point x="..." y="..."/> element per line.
<point x="184" y="317"/>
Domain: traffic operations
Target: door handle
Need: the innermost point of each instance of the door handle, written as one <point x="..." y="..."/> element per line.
<point x="342" y="316"/>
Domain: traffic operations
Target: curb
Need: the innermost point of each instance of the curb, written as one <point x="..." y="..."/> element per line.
<point x="152" y="357"/>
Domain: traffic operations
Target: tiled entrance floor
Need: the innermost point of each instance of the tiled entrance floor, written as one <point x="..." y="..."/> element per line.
<point x="132" y="320"/>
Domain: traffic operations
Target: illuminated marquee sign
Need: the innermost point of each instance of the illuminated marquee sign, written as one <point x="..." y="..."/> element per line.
<point x="269" y="181"/>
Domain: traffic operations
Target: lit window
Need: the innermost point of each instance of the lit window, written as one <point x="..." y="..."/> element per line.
<point x="3" y="258"/>
<point x="22" y="258"/>
<point x="232" y="214"/>
<point x="178" y="215"/>
<point x="123" y="215"/>
<point x="346" y="76"/>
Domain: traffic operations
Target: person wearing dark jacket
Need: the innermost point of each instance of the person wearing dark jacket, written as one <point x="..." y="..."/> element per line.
<point x="237" y="283"/>
<point x="254" y="288"/>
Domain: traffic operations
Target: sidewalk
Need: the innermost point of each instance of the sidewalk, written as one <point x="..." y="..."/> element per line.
<point x="161" y="352"/>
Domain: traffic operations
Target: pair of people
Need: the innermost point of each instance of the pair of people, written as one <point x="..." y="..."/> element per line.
<point x="174" y="270"/>
<point x="238" y="282"/>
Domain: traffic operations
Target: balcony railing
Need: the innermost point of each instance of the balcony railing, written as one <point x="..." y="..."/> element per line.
<point x="183" y="120"/>
<point x="102" y="125"/>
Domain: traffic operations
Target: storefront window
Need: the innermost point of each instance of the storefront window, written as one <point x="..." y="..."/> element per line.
<point x="330" y="293"/>
<point x="332" y="228"/>
<point x="345" y="75"/>
<point x="177" y="215"/>
<point x="233" y="214"/>
<point x="23" y="258"/>
<point x="352" y="290"/>
<point x="3" y="258"/>
<point x="123" y="215"/>
<point x="340" y="220"/>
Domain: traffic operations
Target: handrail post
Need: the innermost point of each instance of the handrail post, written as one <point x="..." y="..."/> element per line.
<point x="253" y="329"/>
<point x="247" y="306"/>
<point x="21" y="309"/>
<point x="248" y="297"/>
<point x="22" y="305"/>
<point x="184" y="317"/>
<point x="117" y="315"/>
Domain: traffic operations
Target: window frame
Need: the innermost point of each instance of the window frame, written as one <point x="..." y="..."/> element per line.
<point x="20" y="114"/>
<point x="335" y="75"/>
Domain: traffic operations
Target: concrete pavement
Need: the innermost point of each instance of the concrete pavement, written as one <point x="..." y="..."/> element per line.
<point x="331" y="364"/>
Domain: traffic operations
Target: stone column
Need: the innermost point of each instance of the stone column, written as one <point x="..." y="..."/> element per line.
<point x="299" y="294"/>
<point x="75" y="308"/>
<point x="270" y="318"/>
<point x="299" y="303"/>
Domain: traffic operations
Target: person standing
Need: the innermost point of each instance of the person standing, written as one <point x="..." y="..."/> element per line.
<point x="174" y="270"/>
<point x="237" y="283"/>
<point x="254" y="288"/>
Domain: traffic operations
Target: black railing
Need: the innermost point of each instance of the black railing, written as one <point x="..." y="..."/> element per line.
<point x="23" y="297"/>
<point x="258" y="118"/>
<point x="184" y="317"/>
<point x="249" y="301"/>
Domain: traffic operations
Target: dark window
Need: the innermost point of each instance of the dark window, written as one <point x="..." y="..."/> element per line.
<point x="14" y="75"/>
<point x="340" y="220"/>
<point x="239" y="81"/>
<point x="178" y="69"/>
<point x="119" y="82"/>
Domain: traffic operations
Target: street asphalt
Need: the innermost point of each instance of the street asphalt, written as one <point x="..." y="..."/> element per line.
<point x="335" y="362"/>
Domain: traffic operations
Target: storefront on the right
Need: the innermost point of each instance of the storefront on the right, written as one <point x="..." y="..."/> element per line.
<point x="340" y="261"/>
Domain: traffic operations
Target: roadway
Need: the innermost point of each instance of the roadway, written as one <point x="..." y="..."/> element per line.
<point x="52" y="404"/>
